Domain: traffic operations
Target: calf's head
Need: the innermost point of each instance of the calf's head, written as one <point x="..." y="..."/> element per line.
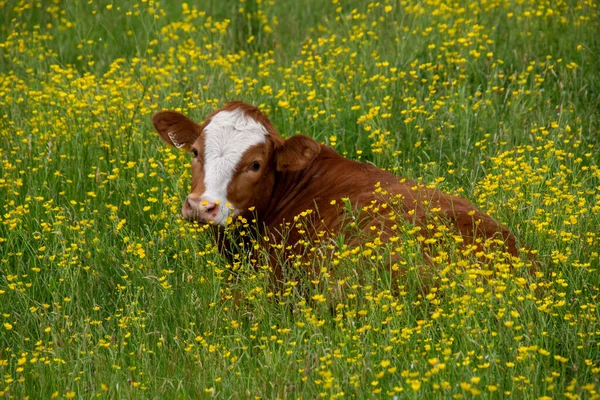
<point x="237" y="153"/>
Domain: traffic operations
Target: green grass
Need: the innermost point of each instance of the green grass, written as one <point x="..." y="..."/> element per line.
<point x="106" y="292"/>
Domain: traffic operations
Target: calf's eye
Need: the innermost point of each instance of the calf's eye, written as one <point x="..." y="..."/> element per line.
<point x="195" y="153"/>
<point x="255" y="166"/>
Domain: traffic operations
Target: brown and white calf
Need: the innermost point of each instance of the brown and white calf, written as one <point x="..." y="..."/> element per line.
<point x="242" y="167"/>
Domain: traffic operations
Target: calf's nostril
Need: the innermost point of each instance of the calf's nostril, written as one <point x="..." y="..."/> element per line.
<point x="212" y="209"/>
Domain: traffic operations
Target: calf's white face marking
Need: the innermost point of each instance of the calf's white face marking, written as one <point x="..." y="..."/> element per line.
<point x="226" y="138"/>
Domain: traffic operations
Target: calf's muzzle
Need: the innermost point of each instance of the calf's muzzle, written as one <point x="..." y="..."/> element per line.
<point x="200" y="209"/>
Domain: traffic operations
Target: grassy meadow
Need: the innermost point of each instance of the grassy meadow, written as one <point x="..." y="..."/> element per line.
<point x="106" y="292"/>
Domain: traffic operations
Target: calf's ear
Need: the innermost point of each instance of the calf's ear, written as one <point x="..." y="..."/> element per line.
<point x="176" y="129"/>
<point x="296" y="153"/>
